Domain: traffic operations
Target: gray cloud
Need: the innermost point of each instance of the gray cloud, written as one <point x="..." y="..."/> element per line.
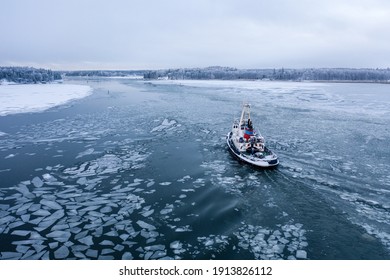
<point x="122" y="34"/>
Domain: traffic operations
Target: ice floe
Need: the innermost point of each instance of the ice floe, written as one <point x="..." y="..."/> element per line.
<point x="145" y="225"/>
<point x="37" y="182"/>
<point x="61" y="253"/>
<point x="85" y="153"/>
<point x="51" y="204"/>
<point x="282" y="243"/>
<point x="38" y="97"/>
<point x="127" y="256"/>
<point x="165" y="125"/>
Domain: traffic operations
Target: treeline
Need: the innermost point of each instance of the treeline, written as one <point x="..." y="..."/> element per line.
<point x="28" y="75"/>
<point x="33" y="75"/>
<point x="309" y="74"/>
<point x="104" y="73"/>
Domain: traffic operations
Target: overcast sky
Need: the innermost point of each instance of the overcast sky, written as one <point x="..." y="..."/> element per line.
<point x="152" y="34"/>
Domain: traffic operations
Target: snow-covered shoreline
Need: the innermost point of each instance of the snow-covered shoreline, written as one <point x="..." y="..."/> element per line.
<point x="15" y="99"/>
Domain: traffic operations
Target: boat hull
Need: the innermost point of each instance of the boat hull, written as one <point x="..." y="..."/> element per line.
<point x="264" y="163"/>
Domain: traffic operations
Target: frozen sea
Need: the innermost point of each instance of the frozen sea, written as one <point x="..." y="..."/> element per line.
<point x="140" y="170"/>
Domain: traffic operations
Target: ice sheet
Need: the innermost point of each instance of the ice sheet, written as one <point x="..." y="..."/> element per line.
<point x="16" y="99"/>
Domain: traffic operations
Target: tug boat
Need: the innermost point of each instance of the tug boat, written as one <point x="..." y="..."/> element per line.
<point x="247" y="144"/>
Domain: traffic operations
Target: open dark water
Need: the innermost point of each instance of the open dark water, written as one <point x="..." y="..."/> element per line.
<point x="140" y="170"/>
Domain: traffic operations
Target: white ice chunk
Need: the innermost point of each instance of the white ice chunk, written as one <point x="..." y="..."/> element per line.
<point x="107" y="243"/>
<point x="53" y="245"/>
<point x="21" y="232"/>
<point x="146" y="225"/>
<point x="85" y="153"/>
<point x="175" y="245"/>
<point x="148" y="213"/>
<point x="107" y="251"/>
<point x="183" y="229"/>
<point x="41" y="212"/>
<point x="51" y="204"/>
<point x="278" y="249"/>
<point x="86" y="240"/>
<point x="149" y="184"/>
<point x="59" y="235"/>
<point x="15" y="224"/>
<point x="82" y="181"/>
<point x="22" y="249"/>
<point x="91" y="253"/>
<point x="39" y="247"/>
<point x="10" y="255"/>
<point x="164" y="125"/>
<point x="158" y="254"/>
<point x="61" y="253"/>
<point x="37" y="182"/>
<point x="301" y="254"/>
<point x="7" y="219"/>
<point x="106" y="209"/>
<point x="127" y="256"/>
<point x="119" y="247"/>
<point x="23" y="208"/>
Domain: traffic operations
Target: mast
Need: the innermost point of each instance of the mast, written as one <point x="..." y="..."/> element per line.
<point x="245" y="110"/>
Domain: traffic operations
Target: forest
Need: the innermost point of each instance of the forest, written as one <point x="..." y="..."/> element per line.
<point x="25" y="75"/>
<point x="282" y="74"/>
<point x="28" y="75"/>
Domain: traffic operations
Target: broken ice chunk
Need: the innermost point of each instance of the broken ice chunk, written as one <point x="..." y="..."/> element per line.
<point x="61" y="253"/>
<point x="164" y="125"/>
<point x="183" y="229"/>
<point x="107" y="251"/>
<point x="301" y="254"/>
<point x="85" y="153"/>
<point x="37" y="182"/>
<point x="146" y="225"/>
<point x="7" y="219"/>
<point x="107" y="242"/>
<point x="61" y="236"/>
<point x="22" y="249"/>
<point x="167" y="209"/>
<point x="41" y="212"/>
<point x="51" y="204"/>
<point x="127" y="256"/>
<point x="79" y="255"/>
<point x="86" y="240"/>
<point x="11" y="255"/>
<point x="119" y="247"/>
<point x="38" y="247"/>
<point x="150" y="184"/>
<point x="175" y="245"/>
<point x="53" y="245"/>
<point x="148" y="213"/>
<point x="23" y="208"/>
<point x="36" y="256"/>
<point x="106" y="209"/>
<point x="21" y="232"/>
<point x="82" y="181"/>
<point x="91" y="253"/>
<point x="278" y="249"/>
<point x="25" y="218"/>
<point x="25" y="191"/>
